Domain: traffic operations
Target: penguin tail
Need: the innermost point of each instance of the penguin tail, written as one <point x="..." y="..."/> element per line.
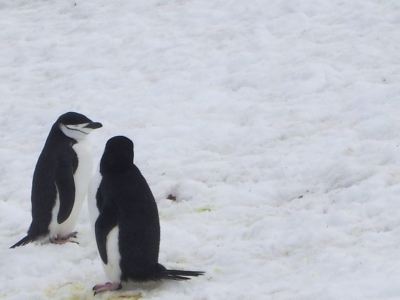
<point x="26" y="240"/>
<point x="181" y="275"/>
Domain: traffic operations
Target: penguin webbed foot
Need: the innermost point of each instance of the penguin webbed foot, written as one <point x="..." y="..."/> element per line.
<point x="109" y="286"/>
<point x="66" y="239"/>
<point x="72" y="235"/>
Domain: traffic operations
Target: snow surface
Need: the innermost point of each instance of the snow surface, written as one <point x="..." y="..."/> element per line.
<point x="275" y="124"/>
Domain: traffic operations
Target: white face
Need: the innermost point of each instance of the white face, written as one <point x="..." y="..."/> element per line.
<point x="77" y="132"/>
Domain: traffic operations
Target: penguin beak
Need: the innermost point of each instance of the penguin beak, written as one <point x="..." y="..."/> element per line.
<point x="94" y="125"/>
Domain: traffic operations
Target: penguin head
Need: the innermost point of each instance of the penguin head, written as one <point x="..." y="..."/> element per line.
<point x="117" y="156"/>
<point x="76" y="126"/>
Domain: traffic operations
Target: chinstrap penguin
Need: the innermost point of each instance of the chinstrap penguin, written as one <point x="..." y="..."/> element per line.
<point x="60" y="180"/>
<point x="127" y="227"/>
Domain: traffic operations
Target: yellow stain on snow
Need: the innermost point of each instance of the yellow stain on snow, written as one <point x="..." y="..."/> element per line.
<point x="76" y="291"/>
<point x="204" y="209"/>
<point x="70" y="291"/>
<point x="126" y="297"/>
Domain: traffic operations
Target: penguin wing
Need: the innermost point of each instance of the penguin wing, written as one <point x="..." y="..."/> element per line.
<point x="106" y="221"/>
<point x="66" y="192"/>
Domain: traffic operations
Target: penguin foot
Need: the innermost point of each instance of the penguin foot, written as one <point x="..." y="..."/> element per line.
<point x="109" y="286"/>
<point x="66" y="239"/>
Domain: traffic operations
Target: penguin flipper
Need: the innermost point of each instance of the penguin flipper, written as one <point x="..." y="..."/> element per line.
<point x="106" y="221"/>
<point x="26" y="240"/>
<point x="66" y="190"/>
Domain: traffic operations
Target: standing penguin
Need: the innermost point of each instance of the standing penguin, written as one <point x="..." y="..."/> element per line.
<point x="61" y="180"/>
<point x="127" y="228"/>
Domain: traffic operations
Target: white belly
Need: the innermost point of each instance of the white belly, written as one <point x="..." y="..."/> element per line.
<point x="112" y="268"/>
<point x="81" y="178"/>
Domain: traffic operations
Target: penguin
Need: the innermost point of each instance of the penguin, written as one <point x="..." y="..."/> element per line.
<point x="60" y="180"/>
<point x="127" y="226"/>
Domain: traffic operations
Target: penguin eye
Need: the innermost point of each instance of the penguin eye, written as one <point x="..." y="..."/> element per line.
<point x="75" y="131"/>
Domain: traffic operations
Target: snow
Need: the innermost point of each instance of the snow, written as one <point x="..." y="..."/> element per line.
<point x="274" y="123"/>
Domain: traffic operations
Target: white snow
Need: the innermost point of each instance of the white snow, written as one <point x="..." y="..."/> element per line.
<point x="275" y="124"/>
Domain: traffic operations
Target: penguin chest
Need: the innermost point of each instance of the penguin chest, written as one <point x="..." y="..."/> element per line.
<point x="83" y="171"/>
<point x="81" y="180"/>
<point x="112" y="268"/>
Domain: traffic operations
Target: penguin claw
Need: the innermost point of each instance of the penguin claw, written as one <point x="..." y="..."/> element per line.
<point x="65" y="239"/>
<point x="71" y="235"/>
<point x="109" y="286"/>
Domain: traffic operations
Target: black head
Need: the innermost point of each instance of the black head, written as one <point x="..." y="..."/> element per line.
<point x="117" y="156"/>
<point x="76" y="126"/>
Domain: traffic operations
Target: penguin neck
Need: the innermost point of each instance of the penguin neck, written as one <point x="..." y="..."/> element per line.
<point x="114" y="169"/>
<point x="58" y="135"/>
<point x="116" y="162"/>
<point x="115" y="165"/>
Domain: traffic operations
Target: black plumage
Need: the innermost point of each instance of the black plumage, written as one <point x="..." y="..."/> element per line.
<point x="124" y="199"/>
<point x="54" y="177"/>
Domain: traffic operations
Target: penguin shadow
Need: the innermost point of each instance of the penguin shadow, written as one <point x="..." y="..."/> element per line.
<point x="81" y="238"/>
<point x="80" y="291"/>
<point x="131" y="291"/>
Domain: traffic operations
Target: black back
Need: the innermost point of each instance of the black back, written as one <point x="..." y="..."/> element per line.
<point x="124" y="198"/>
